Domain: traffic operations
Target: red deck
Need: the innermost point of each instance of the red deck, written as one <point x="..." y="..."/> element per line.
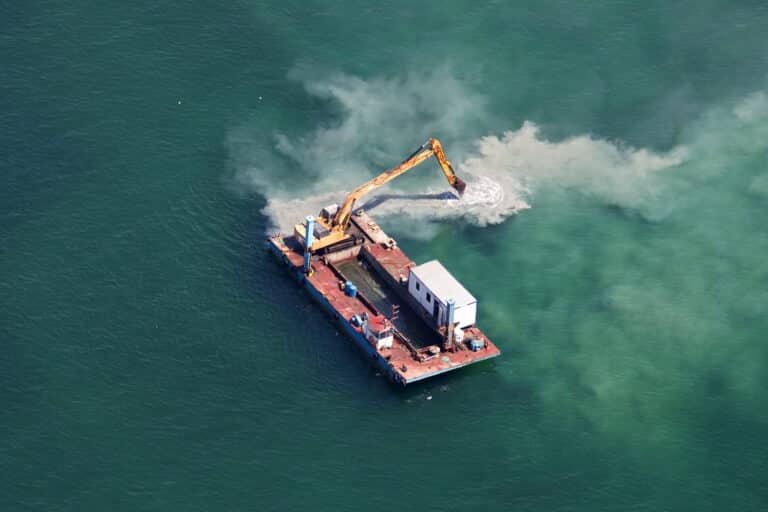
<point x="402" y="360"/>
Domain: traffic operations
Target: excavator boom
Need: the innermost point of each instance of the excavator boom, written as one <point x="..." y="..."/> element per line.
<point x="335" y="227"/>
<point x="430" y="148"/>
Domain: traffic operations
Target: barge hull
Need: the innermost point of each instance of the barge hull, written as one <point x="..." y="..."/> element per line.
<point x="402" y="363"/>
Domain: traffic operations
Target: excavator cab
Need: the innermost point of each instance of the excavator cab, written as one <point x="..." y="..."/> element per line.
<point x="328" y="212"/>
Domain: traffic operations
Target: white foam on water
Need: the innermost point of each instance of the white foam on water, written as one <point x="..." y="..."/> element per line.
<point x="615" y="172"/>
<point x="377" y="123"/>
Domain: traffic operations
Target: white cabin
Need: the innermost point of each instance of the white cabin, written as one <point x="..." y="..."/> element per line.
<point x="432" y="285"/>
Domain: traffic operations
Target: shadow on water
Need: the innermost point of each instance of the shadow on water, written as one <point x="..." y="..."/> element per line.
<point x="378" y="200"/>
<point x="475" y="383"/>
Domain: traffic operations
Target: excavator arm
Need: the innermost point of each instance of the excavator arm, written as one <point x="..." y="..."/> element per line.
<point x="446" y="166"/>
<point x="430" y="148"/>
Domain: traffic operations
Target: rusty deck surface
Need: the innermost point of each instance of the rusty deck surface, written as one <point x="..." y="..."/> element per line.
<point x="404" y="362"/>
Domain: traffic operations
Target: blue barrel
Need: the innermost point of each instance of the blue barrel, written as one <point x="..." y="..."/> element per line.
<point x="350" y="289"/>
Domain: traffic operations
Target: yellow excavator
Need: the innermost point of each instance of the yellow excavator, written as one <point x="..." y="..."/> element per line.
<point x="330" y="230"/>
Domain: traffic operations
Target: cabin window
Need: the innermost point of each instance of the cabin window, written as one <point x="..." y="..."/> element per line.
<point x="429" y="297"/>
<point x="418" y="286"/>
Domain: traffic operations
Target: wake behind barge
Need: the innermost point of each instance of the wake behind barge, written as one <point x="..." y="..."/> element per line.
<point x="414" y="322"/>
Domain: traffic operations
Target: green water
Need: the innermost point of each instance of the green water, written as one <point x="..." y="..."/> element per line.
<point x="155" y="358"/>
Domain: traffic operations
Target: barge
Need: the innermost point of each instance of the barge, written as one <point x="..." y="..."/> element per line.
<point x="413" y="321"/>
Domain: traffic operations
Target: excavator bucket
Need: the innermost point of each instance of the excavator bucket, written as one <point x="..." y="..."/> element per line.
<point x="460" y="186"/>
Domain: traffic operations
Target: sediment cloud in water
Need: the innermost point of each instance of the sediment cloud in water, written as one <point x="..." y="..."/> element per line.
<point x="381" y="120"/>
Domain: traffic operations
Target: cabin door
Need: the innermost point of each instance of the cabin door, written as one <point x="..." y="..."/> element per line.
<point x="436" y="312"/>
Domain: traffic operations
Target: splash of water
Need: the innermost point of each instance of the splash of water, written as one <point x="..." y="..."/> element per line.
<point x="381" y="119"/>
